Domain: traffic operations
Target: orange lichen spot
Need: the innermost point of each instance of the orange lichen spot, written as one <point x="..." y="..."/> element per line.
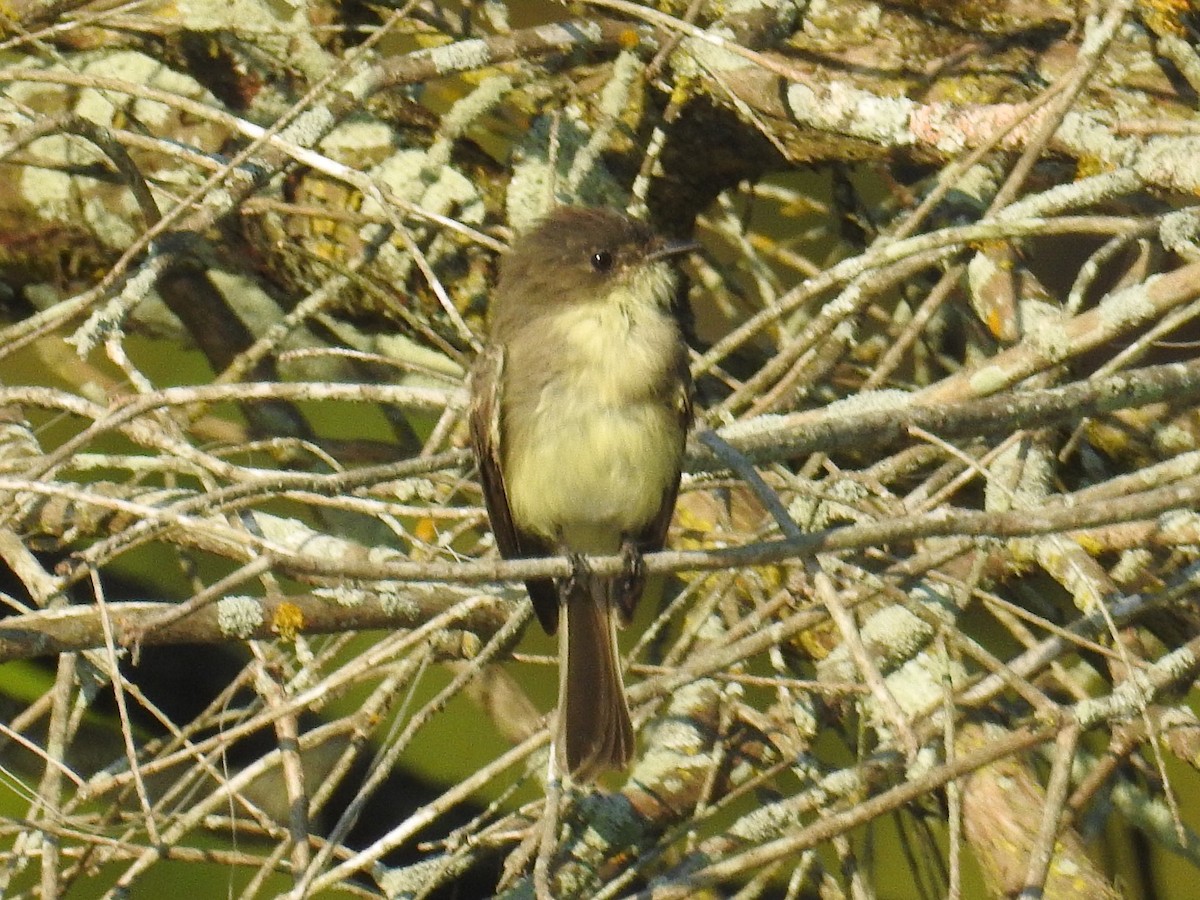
<point x="997" y="323"/>
<point x="1088" y="166"/>
<point x="8" y="14"/>
<point x="287" y="621"/>
<point x="819" y="641"/>
<point x="629" y="39"/>
<point x="996" y="249"/>
<point x="425" y="530"/>
<point x="1163" y="16"/>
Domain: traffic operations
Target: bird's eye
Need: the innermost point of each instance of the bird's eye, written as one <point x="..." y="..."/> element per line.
<point x="602" y="260"/>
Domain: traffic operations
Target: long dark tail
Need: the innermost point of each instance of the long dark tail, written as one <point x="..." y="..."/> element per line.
<point x="594" y="729"/>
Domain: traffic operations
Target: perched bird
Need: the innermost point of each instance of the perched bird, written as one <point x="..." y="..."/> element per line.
<point x="580" y="406"/>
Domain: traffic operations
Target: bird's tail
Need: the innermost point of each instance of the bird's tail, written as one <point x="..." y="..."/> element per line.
<point x="594" y="730"/>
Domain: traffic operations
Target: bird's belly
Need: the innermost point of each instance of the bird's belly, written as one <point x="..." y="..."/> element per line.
<point x="588" y="474"/>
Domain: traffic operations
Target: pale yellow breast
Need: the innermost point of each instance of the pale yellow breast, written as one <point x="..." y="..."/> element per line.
<point x="591" y="463"/>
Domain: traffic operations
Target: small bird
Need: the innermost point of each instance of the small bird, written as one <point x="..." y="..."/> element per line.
<point x="580" y="407"/>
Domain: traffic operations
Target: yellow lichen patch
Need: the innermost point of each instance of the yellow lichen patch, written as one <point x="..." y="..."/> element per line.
<point x="998" y="250"/>
<point x="1163" y="16"/>
<point x="1087" y="166"/>
<point x="1090" y="545"/>
<point x="425" y="530"/>
<point x="997" y="323"/>
<point x="288" y="621"/>
<point x="819" y="641"/>
<point x="629" y="39"/>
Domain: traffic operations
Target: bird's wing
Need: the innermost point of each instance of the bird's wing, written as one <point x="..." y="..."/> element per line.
<point x="486" y="378"/>
<point x="654" y="535"/>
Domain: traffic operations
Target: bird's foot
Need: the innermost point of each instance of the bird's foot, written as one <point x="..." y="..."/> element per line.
<point x="580" y="573"/>
<point x="628" y="585"/>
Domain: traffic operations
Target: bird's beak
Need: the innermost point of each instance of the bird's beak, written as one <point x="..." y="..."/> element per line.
<point x="672" y="248"/>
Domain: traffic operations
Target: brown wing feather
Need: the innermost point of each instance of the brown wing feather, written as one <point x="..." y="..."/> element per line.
<point x="485" y="439"/>
<point x="654" y="535"/>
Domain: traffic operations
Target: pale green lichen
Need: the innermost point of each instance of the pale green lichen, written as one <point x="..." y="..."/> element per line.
<point x="105" y="320"/>
<point x="396" y="600"/>
<point x="239" y="617"/>
<point x="309" y="127"/>
<point x="467" y="110"/>
<point x="114" y="219"/>
<point x="1138" y="689"/>
<point x="889" y="400"/>
<point x="343" y="595"/>
<point x="1021" y="478"/>
<point x="289" y="532"/>
<point x="535" y="186"/>
<point x="278" y="30"/>
<point x="765" y="823"/>
<point x="627" y="72"/>
<point x="415" y="878"/>
<point x="1131" y="566"/>
<point x="1128" y="308"/>
<point x="892" y="634"/>
<point x="460" y="56"/>
<point x="439" y="189"/>
<point x="54" y="193"/>
<point x="839" y="500"/>
<point x="136" y="68"/>
<point x="766" y="424"/>
<point x="1180" y="526"/>
<point x="918" y="687"/>
<point x="1045" y="329"/>
<point x="1172" y="439"/>
<point x="843" y="109"/>
<point x="1180" y="230"/>
<point x="569" y="37"/>
<point x="988" y="380"/>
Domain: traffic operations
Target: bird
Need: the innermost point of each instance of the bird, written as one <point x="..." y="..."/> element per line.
<point x="581" y="401"/>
